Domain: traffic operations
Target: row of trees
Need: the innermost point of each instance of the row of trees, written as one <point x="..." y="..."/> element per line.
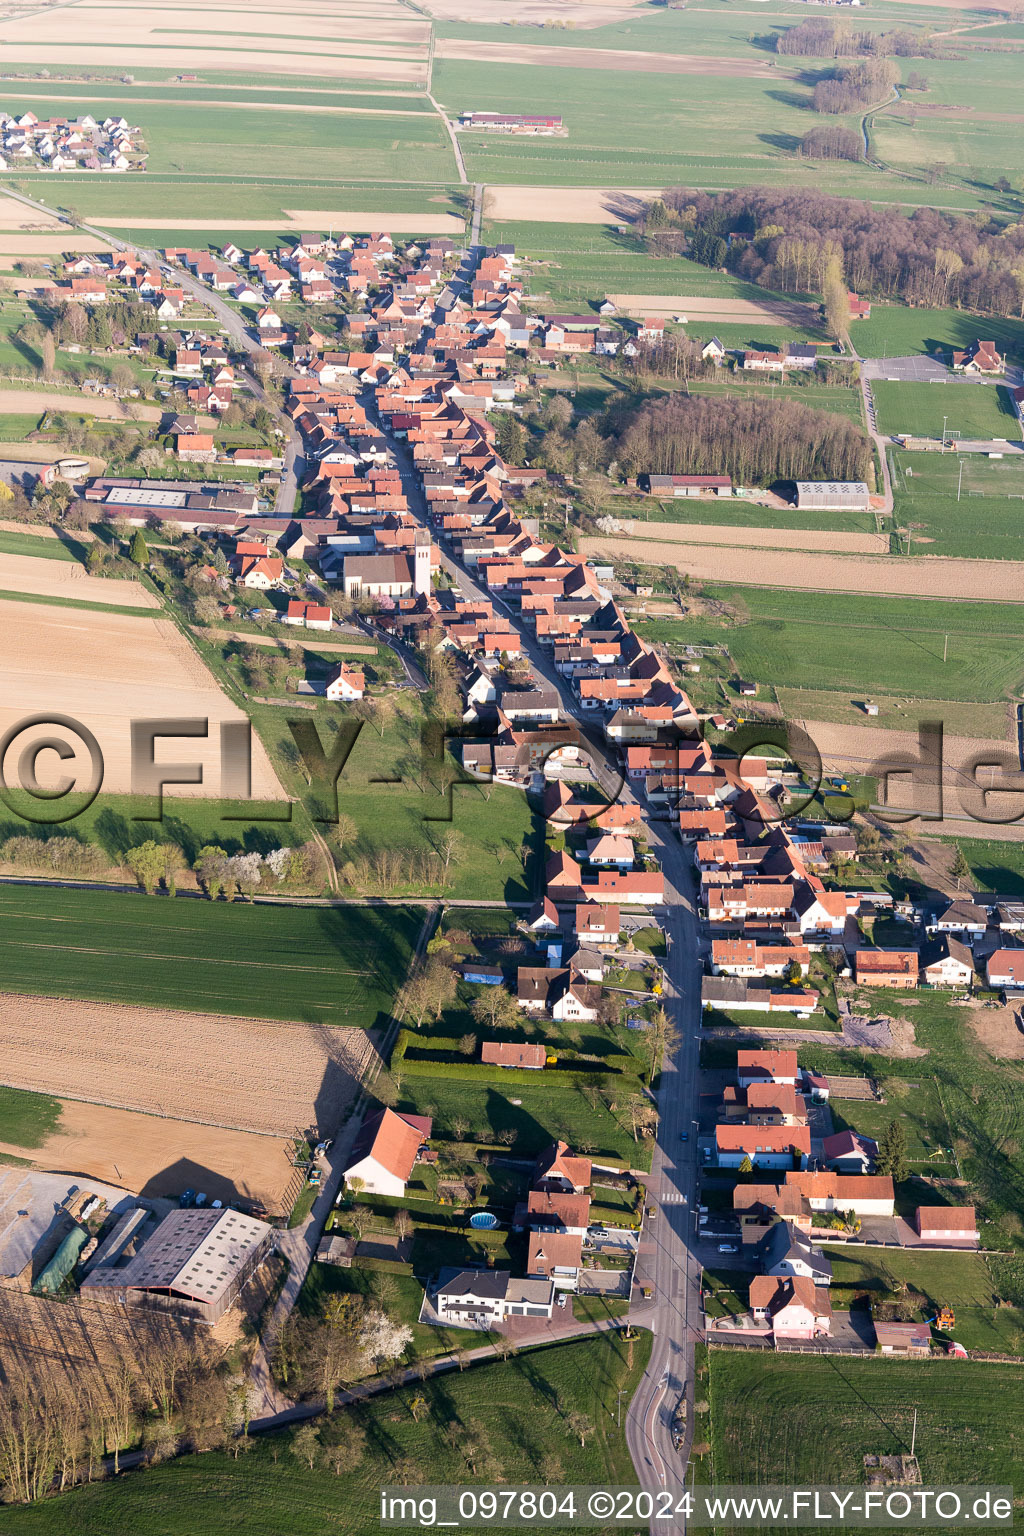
<point x="755" y="441"/>
<point x="166" y="1392"/>
<point x="820" y="39"/>
<point x="927" y="257"/>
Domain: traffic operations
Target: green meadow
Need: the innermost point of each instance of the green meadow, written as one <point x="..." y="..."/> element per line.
<point x="844" y="642"/>
<point x="321" y="965"/>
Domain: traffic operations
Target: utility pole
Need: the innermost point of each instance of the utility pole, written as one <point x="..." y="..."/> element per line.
<point x="944" y="420"/>
<point x="913" y="1435"/>
<point x="960" y="481"/>
<point x="945" y="648"/>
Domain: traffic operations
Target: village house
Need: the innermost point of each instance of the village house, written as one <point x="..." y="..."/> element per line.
<point x="1004" y="970"/>
<point x="791" y="1307"/>
<point x="763" y="1146"/>
<point x="893" y="968"/>
<point x="345" y="682"/>
<point x="385" y="1152"/>
<point x="484" y="1298"/>
<point x="946" y="963"/>
<point x="785" y="1250"/>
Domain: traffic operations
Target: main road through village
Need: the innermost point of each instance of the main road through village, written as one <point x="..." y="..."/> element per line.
<point x="667" y="1262"/>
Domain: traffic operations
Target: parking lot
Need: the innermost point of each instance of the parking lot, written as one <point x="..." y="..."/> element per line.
<point x="905" y="370"/>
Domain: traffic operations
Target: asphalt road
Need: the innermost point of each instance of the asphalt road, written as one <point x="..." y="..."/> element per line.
<point x="667" y="1261"/>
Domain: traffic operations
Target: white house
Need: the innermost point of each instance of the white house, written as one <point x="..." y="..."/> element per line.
<point x="385" y="1151"/>
<point x="479" y="1298"/>
<point x="1005" y="969"/>
<point x="345" y="682"/>
<point x="947" y="963"/>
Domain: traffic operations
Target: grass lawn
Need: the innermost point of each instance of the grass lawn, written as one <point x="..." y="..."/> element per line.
<point x="493" y="824"/>
<point x="996" y="867"/>
<point x="327" y="966"/>
<point x="982" y="1099"/>
<point x="958" y="718"/>
<point x="542" y="1114"/>
<point x="32" y="544"/>
<point x="716" y="1018"/>
<point x="795" y="1420"/>
<point x="963" y="1281"/>
<point x="27" y="1119"/>
<point x="918" y="1106"/>
<point x="520" y="1408"/>
<point x="973" y="409"/>
<point x="860" y="645"/>
<point x="400" y="1295"/>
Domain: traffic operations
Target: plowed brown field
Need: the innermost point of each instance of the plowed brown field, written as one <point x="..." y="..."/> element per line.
<point x="241" y="1074"/>
<point x="106" y="670"/>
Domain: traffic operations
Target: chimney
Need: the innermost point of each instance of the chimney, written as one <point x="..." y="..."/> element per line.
<point x="421" y="572"/>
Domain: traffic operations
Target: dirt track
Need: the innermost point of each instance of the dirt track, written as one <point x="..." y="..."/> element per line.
<point x="538" y="55"/>
<point x="310" y="641"/>
<point x="637" y="532"/>
<point x="22" y="401"/>
<point x="153" y="1156"/>
<point x="239" y="1074"/>
<point x="981" y="580"/>
<point x="105" y="669"/>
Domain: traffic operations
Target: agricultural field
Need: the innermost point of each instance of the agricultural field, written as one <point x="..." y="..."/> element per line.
<point x="321" y="966"/>
<point x="974" y="409"/>
<point x="792" y="1420"/>
<point x="519" y="1408"/>
<point x="159" y="1155"/>
<point x="380" y="42"/>
<point x="952" y="579"/>
<point x="858" y="645"/>
<point x="104" y="667"/>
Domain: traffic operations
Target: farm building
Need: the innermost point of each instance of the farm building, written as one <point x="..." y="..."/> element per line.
<point x="951" y="1226"/>
<point x="832" y="496"/>
<point x="197" y="1261"/>
<point x="689" y="485"/>
<point x="903" y="1338"/>
<point x="511" y="122"/>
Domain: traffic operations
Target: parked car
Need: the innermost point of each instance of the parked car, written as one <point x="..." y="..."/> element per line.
<point x="728" y="1247"/>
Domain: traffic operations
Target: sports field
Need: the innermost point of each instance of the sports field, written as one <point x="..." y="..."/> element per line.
<point x="954" y="504"/>
<point x="973" y="409"/>
<point x="318" y="965"/>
